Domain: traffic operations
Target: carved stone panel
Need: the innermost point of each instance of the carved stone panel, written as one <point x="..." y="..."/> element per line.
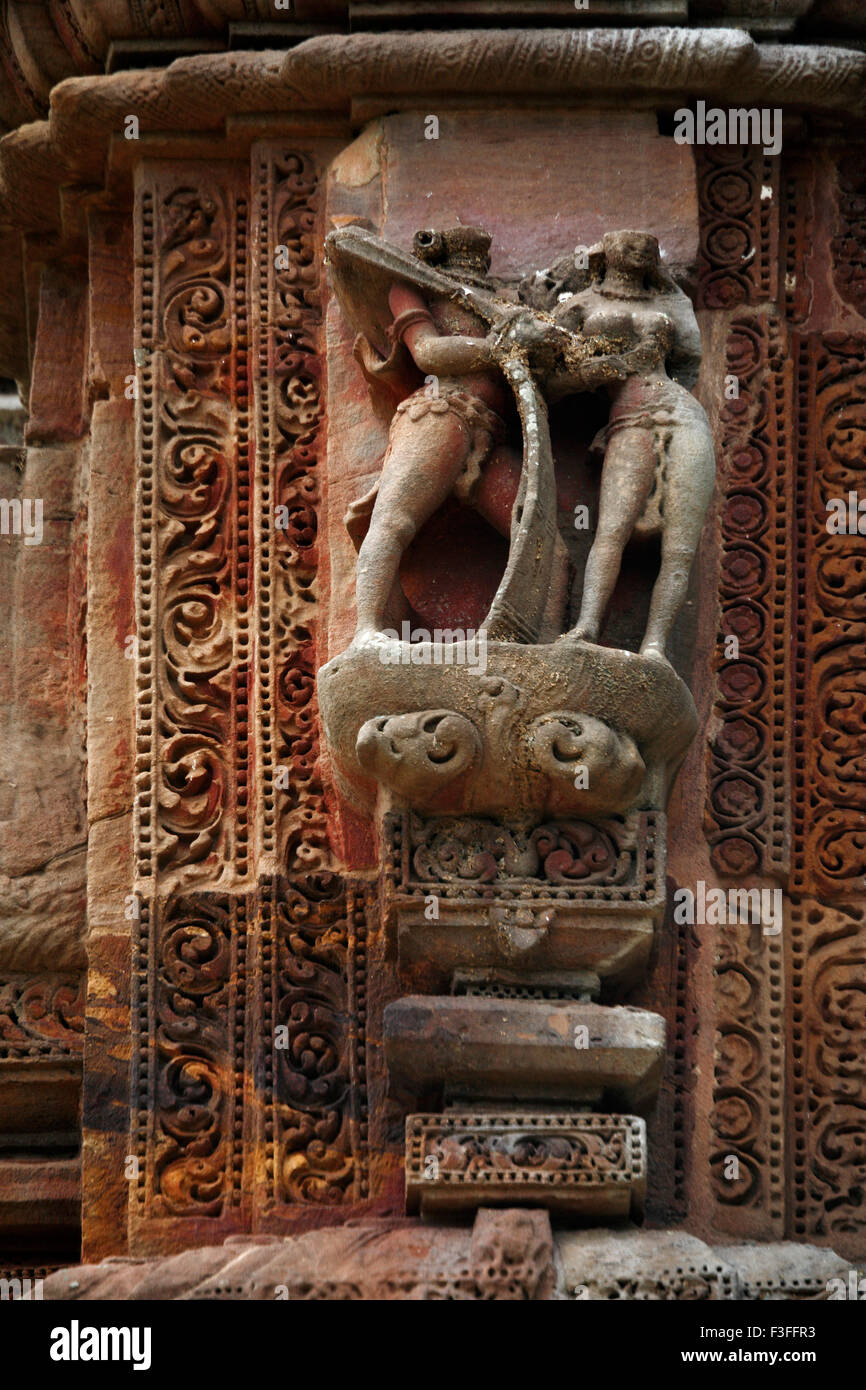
<point x="257" y="1011"/>
<point x="827" y="1074"/>
<point x="193" y="531"/>
<point x="585" y="895"/>
<point x="314" y="1009"/>
<point x="739" y="228"/>
<point x="287" y="235"/>
<point x="584" y="1166"/>
<point x="785" y="802"/>
<point x="829" y="788"/>
<point x="188" y="1120"/>
<point x="748" y="808"/>
<point x="249" y="984"/>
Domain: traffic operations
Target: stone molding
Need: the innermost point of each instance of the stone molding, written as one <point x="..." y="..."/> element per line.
<point x="42" y="43"/>
<point x="198" y="95"/>
<point x="508" y="1254"/>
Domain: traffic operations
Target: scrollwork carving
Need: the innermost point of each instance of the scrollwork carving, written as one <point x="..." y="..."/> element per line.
<point x="295" y="817"/>
<point x="472" y="852"/>
<point x="41" y="1016"/>
<point x="746" y="1118"/>
<point x="314" y="944"/>
<point x="828" y="1039"/>
<point x="576" y="1162"/>
<point x="198" y="984"/>
<point x="830" y="796"/>
<point x="193" y="519"/>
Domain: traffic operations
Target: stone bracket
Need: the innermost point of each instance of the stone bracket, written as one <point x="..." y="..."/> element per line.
<point x="580" y="1166"/>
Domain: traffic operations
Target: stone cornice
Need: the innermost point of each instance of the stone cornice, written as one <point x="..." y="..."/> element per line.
<point x="714" y="63"/>
<point x="198" y="95"/>
<point x="214" y="103"/>
<point x="44" y="41"/>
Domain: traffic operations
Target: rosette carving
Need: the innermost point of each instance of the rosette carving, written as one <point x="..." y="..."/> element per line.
<point x="746" y="807"/>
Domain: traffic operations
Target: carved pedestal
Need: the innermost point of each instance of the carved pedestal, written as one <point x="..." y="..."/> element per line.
<point x="520" y="929"/>
<point x="525" y="958"/>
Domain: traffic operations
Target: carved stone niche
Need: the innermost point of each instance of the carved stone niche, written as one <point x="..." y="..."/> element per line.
<point x="506" y="710"/>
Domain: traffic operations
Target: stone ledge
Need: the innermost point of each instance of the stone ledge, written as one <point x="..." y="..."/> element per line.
<point x="530" y="1050"/>
<point x="507" y="1254"/>
<point x="43" y="44"/>
<point x="198" y="95"/>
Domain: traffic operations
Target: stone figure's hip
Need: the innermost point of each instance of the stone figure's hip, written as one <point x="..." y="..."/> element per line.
<point x="482" y="430"/>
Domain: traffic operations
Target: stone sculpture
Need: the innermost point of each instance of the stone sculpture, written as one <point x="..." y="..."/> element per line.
<point x="659" y="463"/>
<point x="458" y="351"/>
<point x="554" y="725"/>
<point x="173" y="850"/>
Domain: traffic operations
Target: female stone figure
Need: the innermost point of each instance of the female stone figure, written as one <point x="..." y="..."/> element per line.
<point x="658" y="445"/>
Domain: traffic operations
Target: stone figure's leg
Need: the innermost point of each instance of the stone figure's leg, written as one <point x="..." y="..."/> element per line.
<point x="689" y="488"/>
<point x="626" y="479"/>
<point x="498" y="487"/>
<point x="424" y="459"/>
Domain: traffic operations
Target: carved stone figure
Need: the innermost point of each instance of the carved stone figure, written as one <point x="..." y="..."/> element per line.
<point x="263" y="974"/>
<point x="659" y="463"/>
<point x="442" y="432"/>
<point x="562" y="724"/>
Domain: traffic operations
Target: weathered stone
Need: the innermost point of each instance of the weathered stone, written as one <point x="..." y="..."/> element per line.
<point x="506" y="1255"/>
<point x="791" y="1271"/>
<point x="40" y="1201"/>
<point x="634" y="1265"/>
<point x="584" y="1167"/>
<point x="446" y="738"/>
<point x="251" y="881"/>
<point x="42" y="833"/>
<point x="664" y="1265"/>
<point x="408" y="1259"/>
<point x="59" y="399"/>
<point x="524" y="1049"/>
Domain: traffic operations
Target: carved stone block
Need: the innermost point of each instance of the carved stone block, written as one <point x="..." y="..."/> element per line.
<point x="442" y="737"/>
<point x="525" y="1049"/>
<point x="582" y="1166"/>
<point x="657" y="1266"/>
<point x="564" y="896"/>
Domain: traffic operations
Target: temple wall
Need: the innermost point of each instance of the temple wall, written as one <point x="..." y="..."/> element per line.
<point x="196" y="933"/>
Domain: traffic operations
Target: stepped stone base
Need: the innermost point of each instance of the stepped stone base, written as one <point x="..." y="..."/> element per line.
<point x="509" y="1254"/>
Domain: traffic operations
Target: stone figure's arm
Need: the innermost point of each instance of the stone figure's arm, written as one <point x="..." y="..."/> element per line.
<point x="434" y="353"/>
<point x="684" y="359"/>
